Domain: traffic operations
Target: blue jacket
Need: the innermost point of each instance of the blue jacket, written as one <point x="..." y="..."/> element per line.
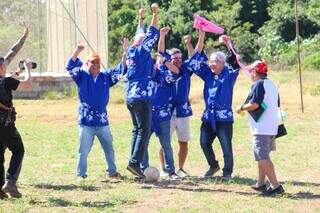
<point x="164" y="80"/>
<point x="181" y="90"/>
<point x="217" y="92"/>
<point x="93" y="93"/>
<point x="140" y="65"/>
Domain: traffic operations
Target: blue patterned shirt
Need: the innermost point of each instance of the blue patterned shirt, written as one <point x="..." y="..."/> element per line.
<point x="93" y="93"/>
<point x="218" y="90"/>
<point x="140" y="66"/>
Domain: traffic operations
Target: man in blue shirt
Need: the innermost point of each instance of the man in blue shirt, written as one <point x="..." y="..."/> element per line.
<point x="93" y="90"/>
<point x="219" y="78"/>
<point x="164" y="76"/>
<point x="139" y="91"/>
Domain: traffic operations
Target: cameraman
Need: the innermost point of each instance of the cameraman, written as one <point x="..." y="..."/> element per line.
<point x="9" y="135"/>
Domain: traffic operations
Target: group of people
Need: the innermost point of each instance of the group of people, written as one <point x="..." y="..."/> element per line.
<point x="157" y="98"/>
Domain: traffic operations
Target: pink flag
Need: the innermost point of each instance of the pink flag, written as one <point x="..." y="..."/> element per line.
<point x="205" y="25"/>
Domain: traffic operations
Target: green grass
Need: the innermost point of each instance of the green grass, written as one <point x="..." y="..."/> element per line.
<point x="50" y="135"/>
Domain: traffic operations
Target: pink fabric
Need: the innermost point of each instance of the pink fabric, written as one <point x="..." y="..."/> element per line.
<point x="205" y="25"/>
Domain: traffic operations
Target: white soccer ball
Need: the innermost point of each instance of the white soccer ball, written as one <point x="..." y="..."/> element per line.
<point x="152" y="174"/>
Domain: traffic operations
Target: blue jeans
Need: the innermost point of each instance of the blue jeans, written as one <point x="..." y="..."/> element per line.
<point x="141" y="119"/>
<point x="87" y="134"/>
<point x="224" y="131"/>
<point x="165" y="141"/>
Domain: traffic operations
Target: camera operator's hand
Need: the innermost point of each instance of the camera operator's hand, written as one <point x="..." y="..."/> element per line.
<point x="27" y="64"/>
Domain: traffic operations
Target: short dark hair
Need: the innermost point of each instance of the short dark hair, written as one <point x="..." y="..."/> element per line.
<point x="2" y="60"/>
<point x="262" y="75"/>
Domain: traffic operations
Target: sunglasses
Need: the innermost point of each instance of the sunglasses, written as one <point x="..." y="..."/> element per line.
<point x="176" y="56"/>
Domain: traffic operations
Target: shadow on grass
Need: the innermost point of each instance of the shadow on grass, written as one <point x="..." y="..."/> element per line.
<point x="59" y="202"/>
<point x="70" y="187"/>
<point x="193" y="184"/>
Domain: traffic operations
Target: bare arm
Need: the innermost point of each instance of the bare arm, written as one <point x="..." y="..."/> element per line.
<point x="247" y="107"/>
<point x="141" y="18"/>
<point x="76" y="52"/>
<point x="200" y="43"/>
<point x="17" y="46"/>
<point x="125" y="46"/>
<point x="155" y="11"/>
<point x="26" y="84"/>
<point x="188" y="42"/>
<point x="162" y="40"/>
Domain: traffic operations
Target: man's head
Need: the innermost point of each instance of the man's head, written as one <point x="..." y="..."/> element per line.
<point x="3" y="67"/>
<point x="139" y="38"/>
<point x="176" y="57"/>
<point x="94" y="64"/>
<point x="217" y="61"/>
<point x="258" y="70"/>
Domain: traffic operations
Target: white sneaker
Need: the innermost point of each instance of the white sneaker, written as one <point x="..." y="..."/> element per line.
<point x="181" y="173"/>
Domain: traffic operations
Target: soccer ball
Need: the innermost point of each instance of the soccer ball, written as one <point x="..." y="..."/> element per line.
<point x="152" y="174"/>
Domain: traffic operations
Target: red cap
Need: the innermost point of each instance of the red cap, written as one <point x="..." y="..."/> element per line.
<point x="260" y="67"/>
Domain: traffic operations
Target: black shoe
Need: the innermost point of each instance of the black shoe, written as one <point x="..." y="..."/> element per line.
<point x="226" y="177"/>
<point x="272" y="192"/>
<point x="3" y="195"/>
<point x="135" y="170"/>
<point x="212" y="171"/>
<point x="261" y="188"/>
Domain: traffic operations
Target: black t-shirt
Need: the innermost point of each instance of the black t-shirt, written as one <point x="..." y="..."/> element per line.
<point x="9" y="85"/>
<point x="257" y="92"/>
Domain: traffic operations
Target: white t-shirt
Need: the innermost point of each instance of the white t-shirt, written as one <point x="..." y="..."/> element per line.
<point x="265" y="91"/>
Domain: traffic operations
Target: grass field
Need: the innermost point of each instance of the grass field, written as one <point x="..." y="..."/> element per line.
<point x="50" y="135"/>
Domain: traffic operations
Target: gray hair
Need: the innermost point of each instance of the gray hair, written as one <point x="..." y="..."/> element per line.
<point x="220" y="56"/>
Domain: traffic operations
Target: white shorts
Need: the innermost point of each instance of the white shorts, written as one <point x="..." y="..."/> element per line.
<point x="182" y="127"/>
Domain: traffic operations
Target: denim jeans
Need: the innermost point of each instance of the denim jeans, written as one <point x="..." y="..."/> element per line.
<point x="87" y="134"/>
<point x="165" y="141"/>
<point x="11" y="139"/>
<point x="224" y="131"/>
<point x="141" y="119"/>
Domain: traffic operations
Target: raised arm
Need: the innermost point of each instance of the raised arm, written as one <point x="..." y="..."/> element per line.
<point x="142" y="15"/>
<point x="76" y="52"/>
<point x="168" y="64"/>
<point x="17" y="46"/>
<point x="125" y="47"/>
<point x="232" y="56"/>
<point x="155" y="11"/>
<point x="162" y="40"/>
<point x="188" y="42"/>
<point x="200" y="44"/>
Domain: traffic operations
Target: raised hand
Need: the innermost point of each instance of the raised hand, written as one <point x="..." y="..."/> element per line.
<point x="125" y="44"/>
<point x="142" y="13"/>
<point x="80" y="47"/>
<point x="164" y="31"/>
<point x="224" y="39"/>
<point x="187" y="39"/>
<point x="155" y="8"/>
